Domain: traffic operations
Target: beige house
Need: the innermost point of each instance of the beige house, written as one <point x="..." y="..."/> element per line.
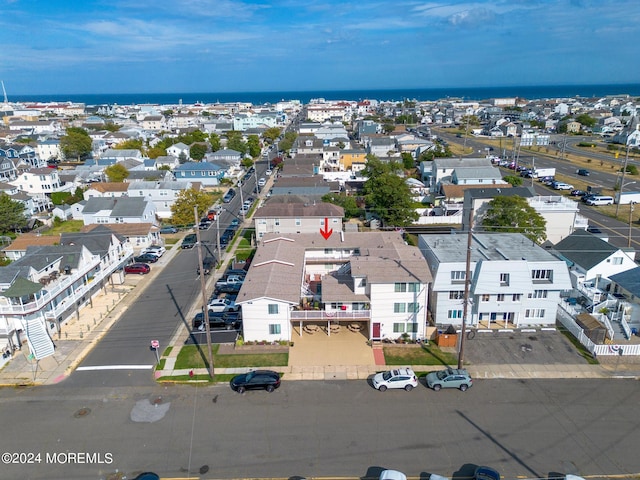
<point x="298" y="217"/>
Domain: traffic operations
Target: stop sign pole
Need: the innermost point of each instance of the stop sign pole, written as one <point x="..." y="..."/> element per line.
<point x="155" y="344"/>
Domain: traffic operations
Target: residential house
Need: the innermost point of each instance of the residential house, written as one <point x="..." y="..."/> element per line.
<point x="118" y="210"/>
<point x="225" y="156"/>
<point x="380" y="145"/>
<point x="592" y="260"/>
<point x="207" y="173"/>
<point x="179" y="150"/>
<point x="49" y="149"/>
<point x="296" y="217"/>
<point x="373" y="280"/>
<point x="106" y="190"/>
<point x="121" y="155"/>
<point x="625" y="287"/>
<point x="18" y="248"/>
<point x="49" y="283"/>
<point x="154" y="123"/>
<point x="162" y="194"/>
<point x="512" y="281"/>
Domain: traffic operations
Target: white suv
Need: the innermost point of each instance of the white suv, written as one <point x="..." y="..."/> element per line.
<point x="222" y="305"/>
<point x="398" y="378"/>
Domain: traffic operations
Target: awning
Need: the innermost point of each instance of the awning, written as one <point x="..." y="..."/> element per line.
<point x="21" y="287"/>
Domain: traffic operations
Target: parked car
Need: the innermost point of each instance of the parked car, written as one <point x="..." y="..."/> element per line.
<point x="208" y="264"/>
<point x="561" y="186"/>
<point x="222" y="305"/>
<point x="262" y="182"/>
<point x="596" y="200"/>
<point x="592" y="229"/>
<point x="398" y="378"/>
<point x="255" y="380"/>
<point x="146" y="258"/>
<point x="227" y="288"/>
<point x="485" y="473"/>
<point x="139" y="268"/>
<point x="168" y="229"/>
<point x="577" y="193"/>
<point x="449" y="378"/>
<point x="392" y="475"/>
<point x="157" y="250"/>
<point x="218" y="320"/>
<point x="190" y="241"/>
<point x="583" y="172"/>
<point x="268" y="172"/>
<point x="235" y="223"/>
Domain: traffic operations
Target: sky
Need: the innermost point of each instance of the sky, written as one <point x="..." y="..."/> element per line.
<point x="166" y="46"/>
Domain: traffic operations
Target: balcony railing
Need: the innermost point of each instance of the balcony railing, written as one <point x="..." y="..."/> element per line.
<point x="329" y="315"/>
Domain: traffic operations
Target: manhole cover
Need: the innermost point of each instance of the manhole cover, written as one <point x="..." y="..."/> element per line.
<point x="204" y="469"/>
<point x="156" y="401"/>
<point x="83" y="412"/>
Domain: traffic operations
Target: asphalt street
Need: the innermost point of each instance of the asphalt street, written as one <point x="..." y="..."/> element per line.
<point x="523" y="428"/>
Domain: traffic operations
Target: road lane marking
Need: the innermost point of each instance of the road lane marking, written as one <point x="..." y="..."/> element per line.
<point x="115" y="367"/>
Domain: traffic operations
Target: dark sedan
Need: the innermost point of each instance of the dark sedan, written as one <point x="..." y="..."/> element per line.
<point x="146" y="258"/>
<point x="255" y="380"/>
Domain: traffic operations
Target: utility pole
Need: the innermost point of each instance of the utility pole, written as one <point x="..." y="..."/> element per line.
<point x="467" y="285"/>
<point x="205" y="310"/>
<point x="624" y="171"/>
<point x="630" y="222"/>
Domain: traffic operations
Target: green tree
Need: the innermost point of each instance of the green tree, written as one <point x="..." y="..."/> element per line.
<point x="287" y="141"/>
<point x="349" y="203"/>
<point x="182" y="208"/>
<point x="253" y="144"/>
<point x="76" y="143"/>
<point x="586" y="120"/>
<point x="387" y="194"/>
<point x="214" y="141"/>
<point x="12" y="215"/>
<point x="198" y="151"/>
<point x="514" y="215"/>
<point x="388" y="127"/>
<point x="271" y="134"/>
<point x="246" y="162"/>
<point x="439" y="151"/>
<point x="116" y="172"/>
<point x="155" y="152"/>
<point x="132" y="144"/>
<point x="235" y="142"/>
<point x="514" y="180"/>
<point x="111" y="127"/>
<point x="407" y="161"/>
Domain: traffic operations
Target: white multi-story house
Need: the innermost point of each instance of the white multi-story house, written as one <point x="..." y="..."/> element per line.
<point x="371" y="279"/>
<point x="46" y="286"/>
<point x="512" y="281"/>
<point x="290" y="217"/>
<point x="48" y="149"/>
<point x="162" y="194"/>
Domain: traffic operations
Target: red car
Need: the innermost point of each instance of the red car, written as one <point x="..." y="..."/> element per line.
<point x="140" y="268"/>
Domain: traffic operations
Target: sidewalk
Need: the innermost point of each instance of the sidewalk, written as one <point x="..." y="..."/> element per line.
<point x="79" y="335"/>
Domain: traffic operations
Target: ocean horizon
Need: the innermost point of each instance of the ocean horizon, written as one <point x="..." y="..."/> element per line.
<point x="419" y="94"/>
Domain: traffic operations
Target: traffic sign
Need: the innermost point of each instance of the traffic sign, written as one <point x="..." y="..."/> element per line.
<point x="155" y="344"/>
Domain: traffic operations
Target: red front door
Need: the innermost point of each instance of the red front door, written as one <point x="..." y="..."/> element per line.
<point x="376" y="330"/>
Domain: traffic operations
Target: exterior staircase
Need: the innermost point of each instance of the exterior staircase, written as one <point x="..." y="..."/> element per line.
<point x="38" y="339"/>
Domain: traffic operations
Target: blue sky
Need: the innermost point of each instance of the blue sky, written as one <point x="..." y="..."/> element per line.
<point x="158" y="46"/>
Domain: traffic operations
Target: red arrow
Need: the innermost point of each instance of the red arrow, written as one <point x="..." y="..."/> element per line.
<point x="326" y="233"/>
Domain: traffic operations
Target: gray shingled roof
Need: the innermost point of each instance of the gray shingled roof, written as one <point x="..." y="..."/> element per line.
<point x="585" y="249"/>
<point x="629" y="280"/>
<point x="298" y="210"/>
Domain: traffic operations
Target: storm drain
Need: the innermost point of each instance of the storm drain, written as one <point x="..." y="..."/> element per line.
<point x="83" y="412"/>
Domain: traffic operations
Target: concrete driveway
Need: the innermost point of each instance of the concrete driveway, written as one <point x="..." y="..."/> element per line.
<point x="540" y="347"/>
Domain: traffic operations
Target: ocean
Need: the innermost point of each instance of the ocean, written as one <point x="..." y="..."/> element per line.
<point x="261" y="98"/>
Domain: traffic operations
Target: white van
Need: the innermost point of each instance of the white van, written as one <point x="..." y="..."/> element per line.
<point x="599" y="200"/>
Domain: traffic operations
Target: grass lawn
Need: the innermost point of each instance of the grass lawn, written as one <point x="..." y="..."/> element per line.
<point x="68" y="226"/>
<point x="424" y="355"/>
<point x="582" y="351"/>
<point x="191" y="356"/>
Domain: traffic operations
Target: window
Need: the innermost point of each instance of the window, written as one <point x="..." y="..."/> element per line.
<point x="413" y="287"/>
<point x="298" y="222"/>
<point x="534" y="313"/>
<point x="538" y="294"/>
<point x="413" y="307"/>
<point x="399" y="308"/>
<point x="277" y="222"/>
<point x="516" y="297"/>
<point x="412" y="327"/>
<point x="274" y="329"/>
<point x="398" y="328"/>
<point x="500" y="297"/>
<point x="458" y="277"/>
<point x="456" y="295"/>
<point x="485" y="297"/>
<point x="273" y="308"/>
<point x="400" y="287"/>
<point x="541" y="275"/>
<point x="454" y="314"/>
<point x="616" y="260"/>
<point x="504" y="279"/>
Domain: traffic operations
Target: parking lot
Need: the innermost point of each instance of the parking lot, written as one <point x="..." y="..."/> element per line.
<point x="540" y="347"/>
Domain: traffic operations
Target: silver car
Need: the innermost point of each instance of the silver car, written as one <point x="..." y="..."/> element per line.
<point x="449" y="378"/>
<point x="399" y="378"/>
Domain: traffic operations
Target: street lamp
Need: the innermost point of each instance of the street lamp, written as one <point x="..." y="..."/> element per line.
<point x="631" y="204"/>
